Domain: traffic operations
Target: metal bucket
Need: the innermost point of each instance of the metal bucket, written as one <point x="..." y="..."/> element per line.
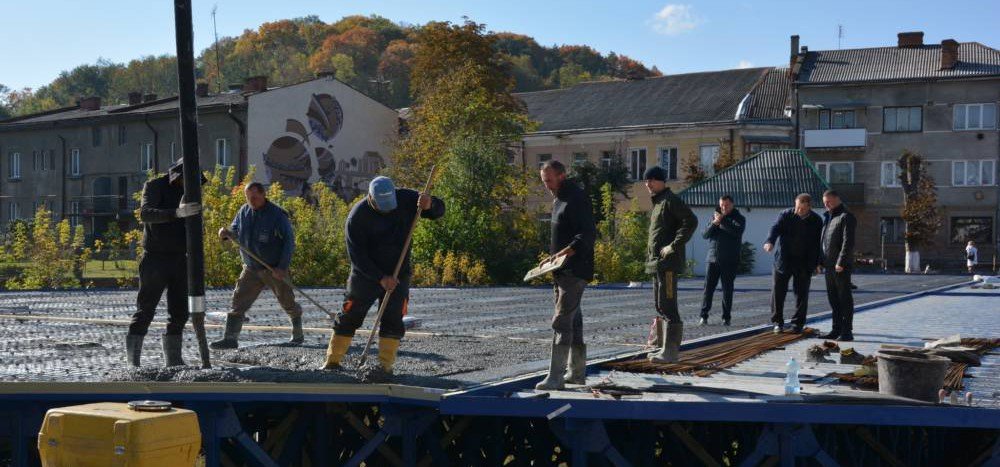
<point x="910" y="374"/>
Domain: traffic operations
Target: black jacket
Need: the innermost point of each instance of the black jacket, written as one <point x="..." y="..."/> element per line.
<point x="725" y="239"/>
<point x="573" y="219"/>
<point x="671" y="222"/>
<point x="375" y="240"/>
<point x="162" y="231"/>
<point x="798" y="241"/>
<point x="839" y="228"/>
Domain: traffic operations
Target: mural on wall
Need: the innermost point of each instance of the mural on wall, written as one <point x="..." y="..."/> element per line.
<point x="288" y="159"/>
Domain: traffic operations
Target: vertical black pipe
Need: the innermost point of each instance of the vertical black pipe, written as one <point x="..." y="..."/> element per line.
<point x="192" y="172"/>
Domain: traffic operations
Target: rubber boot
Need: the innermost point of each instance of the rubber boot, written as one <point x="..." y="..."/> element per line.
<point x="335" y="351"/>
<point x="230" y="338"/>
<point x="671" y="344"/>
<point x="577" y="373"/>
<point x="557" y="367"/>
<point x="655" y="338"/>
<point x="172" y="345"/>
<point x="133" y="349"/>
<point x="387" y="349"/>
<point x="297" y="337"/>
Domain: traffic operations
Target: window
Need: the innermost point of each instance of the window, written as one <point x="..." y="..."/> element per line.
<point x="542" y="159"/>
<point x="13" y="212"/>
<point x="579" y="158"/>
<point x="74" y="214"/>
<point x="121" y="135"/>
<point x="902" y="119"/>
<point x="636" y="163"/>
<point x="973" y="173"/>
<point x="74" y="162"/>
<point x="890" y="175"/>
<point x="709" y="154"/>
<point x="836" y="119"/>
<point x="95" y="136"/>
<point x="14" y="166"/>
<point x="893" y="229"/>
<point x="668" y="160"/>
<point x="977" y="229"/>
<point x="975" y="116"/>
<point x="145" y="157"/>
<point x="173" y="152"/>
<point x="607" y="157"/>
<point x="222" y="152"/>
<point x="836" y="172"/>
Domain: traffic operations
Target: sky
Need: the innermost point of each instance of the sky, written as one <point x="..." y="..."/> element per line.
<point x="40" y="38"/>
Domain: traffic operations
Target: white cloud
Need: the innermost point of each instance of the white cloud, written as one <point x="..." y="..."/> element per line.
<point x="744" y="64"/>
<point x="674" y="19"/>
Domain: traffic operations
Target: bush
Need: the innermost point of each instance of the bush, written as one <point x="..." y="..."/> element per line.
<point x="620" y="250"/>
<point x="747" y="258"/>
<point x="54" y="253"/>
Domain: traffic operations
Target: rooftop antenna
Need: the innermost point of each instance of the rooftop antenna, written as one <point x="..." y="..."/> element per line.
<point x="218" y="56"/>
<point x="840" y="35"/>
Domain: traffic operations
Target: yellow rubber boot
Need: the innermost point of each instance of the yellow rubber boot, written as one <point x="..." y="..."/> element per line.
<point x="336" y="350"/>
<point x="387" y="348"/>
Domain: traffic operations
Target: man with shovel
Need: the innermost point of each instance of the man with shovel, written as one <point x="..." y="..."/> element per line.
<point x="263" y="228"/>
<point x="376" y="233"/>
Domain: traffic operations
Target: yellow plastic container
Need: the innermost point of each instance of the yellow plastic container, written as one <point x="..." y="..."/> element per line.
<point x="112" y="434"/>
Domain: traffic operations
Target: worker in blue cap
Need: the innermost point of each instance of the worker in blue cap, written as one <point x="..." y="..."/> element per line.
<point x="376" y="232"/>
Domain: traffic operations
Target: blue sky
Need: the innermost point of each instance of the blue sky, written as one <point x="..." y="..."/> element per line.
<point x="40" y="38"/>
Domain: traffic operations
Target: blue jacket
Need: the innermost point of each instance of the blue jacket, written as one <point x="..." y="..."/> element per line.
<point x="266" y="232"/>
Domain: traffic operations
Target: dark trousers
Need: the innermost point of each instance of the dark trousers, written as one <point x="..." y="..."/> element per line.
<point x="665" y="296"/>
<point x="838" y="290"/>
<point x="800" y="284"/>
<point x="159" y="271"/>
<point x="716" y="271"/>
<point x="567" y="322"/>
<point x="360" y="296"/>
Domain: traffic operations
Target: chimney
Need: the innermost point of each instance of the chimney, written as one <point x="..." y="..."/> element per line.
<point x="201" y="89"/>
<point x="910" y="39"/>
<point x="804" y="49"/>
<point x="794" y="50"/>
<point x="255" y="84"/>
<point x="949" y="54"/>
<point x="149" y="98"/>
<point x="90" y="103"/>
<point x="134" y="97"/>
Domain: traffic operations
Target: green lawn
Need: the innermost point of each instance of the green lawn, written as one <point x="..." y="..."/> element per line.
<point x="97" y="269"/>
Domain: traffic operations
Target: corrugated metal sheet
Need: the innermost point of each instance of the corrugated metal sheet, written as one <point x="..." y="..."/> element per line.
<point x="772" y="178"/>
<point x="673" y="99"/>
<point x="895" y="63"/>
<point x="139" y="109"/>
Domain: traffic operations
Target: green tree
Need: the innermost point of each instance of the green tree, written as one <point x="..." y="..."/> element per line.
<point x="620" y="250"/>
<point x="54" y="254"/>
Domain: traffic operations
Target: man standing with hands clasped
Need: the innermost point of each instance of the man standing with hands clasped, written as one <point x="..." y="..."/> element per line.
<point x="839" y="227"/>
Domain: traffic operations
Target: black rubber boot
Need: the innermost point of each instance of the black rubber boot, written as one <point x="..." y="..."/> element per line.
<point x="230" y="338"/>
<point x="172" y="345"/>
<point x="133" y="349"/>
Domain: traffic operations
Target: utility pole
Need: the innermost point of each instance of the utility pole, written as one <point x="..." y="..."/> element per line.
<point x="218" y="56"/>
<point x="840" y="35"/>
<point x="192" y="173"/>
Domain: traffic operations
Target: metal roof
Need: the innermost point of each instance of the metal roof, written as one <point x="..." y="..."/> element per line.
<point x="716" y="96"/>
<point x="772" y="178"/>
<point x="160" y="105"/>
<point x="897" y="64"/>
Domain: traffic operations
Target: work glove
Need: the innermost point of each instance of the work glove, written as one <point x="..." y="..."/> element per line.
<point x="187" y="210"/>
<point x="666" y="251"/>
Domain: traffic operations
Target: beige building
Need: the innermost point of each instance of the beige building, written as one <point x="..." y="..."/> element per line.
<point x="861" y="108"/>
<point x="660" y="121"/>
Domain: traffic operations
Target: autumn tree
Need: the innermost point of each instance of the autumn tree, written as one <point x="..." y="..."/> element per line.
<point x="691" y="166"/>
<point x="919" y="211"/>
<point x="727" y="157"/>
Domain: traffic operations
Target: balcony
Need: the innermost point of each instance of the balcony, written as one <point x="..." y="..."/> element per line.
<point x="853" y="194"/>
<point x="838" y="138"/>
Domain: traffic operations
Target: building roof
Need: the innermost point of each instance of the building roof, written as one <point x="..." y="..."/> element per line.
<point x="772" y="178"/>
<point x="160" y="105"/>
<point x="897" y="64"/>
<point x="715" y="96"/>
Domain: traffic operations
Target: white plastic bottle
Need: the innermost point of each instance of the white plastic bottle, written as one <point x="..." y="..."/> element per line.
<point x="792" y="377"/>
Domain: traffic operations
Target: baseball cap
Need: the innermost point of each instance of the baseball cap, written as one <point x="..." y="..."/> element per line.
<point x="383" y="193"/>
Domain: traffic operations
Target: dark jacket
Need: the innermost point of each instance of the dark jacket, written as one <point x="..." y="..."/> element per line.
<point x="375" y="240"/>
<point x="671" y="222"/>
<point x="162" y="231"/>
<point x="266" y="232"/>
<point x="573" y="219"/>
<point x="797" y="240"/>
<point x="725" y="240"/>
<point x="839" y="228"/>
